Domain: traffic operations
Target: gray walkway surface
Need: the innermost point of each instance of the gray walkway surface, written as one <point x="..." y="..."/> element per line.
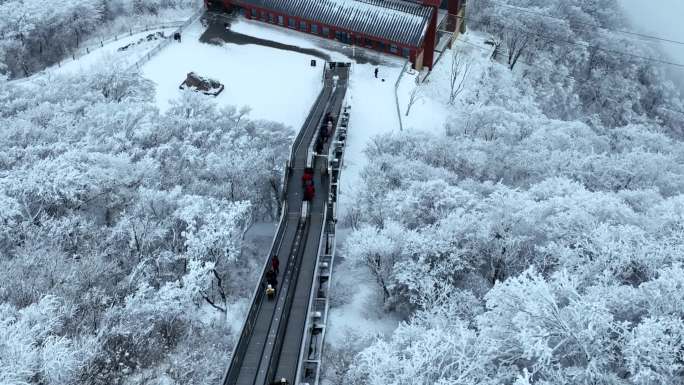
<point x="270" y="344"/>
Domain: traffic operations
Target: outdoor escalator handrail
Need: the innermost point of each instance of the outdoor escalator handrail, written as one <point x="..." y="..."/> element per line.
<point x="284" y="318"/>
<point x="240" y="347"/>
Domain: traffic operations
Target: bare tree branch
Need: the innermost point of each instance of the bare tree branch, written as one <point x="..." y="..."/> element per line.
<point x="460" y="68"/>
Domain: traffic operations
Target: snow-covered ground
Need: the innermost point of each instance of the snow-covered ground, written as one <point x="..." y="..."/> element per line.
<point x="277" y="85"/>
<point x="373" y="102"/>
<point x="109" y="55"/>
<point x="281" y="85"/>
<point x="358" y="307"/>
<point x="431" y="108"/>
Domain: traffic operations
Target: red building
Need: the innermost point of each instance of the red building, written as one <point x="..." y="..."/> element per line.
<point x="405" y="28"/>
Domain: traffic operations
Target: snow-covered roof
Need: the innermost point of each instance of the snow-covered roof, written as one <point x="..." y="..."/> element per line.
<point x="399" y="21"/>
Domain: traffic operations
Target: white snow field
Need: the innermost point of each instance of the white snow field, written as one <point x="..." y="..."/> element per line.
<point x="277" y="85"/>
<point x="431" y="108"/>
<point x="109" y="55"/>
<point x="360" y="310"/>
<point x="372" y="100"/>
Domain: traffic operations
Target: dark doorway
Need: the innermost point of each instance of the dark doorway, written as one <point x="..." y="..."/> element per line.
<point x="343" y="37"/>
<point x="216" y="5"/>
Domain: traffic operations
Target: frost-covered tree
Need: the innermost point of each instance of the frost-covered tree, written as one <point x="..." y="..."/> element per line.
<point x="546" y="220"/>
<point x="428" y="350"/>
<point x="35" y="34"/>
<point x="574" y="57"/>
<point x="129" y="224"/>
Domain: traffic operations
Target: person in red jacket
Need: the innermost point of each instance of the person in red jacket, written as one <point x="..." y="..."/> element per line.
<point x="275" y="264"/>
<point x="307" y="178"/>
<point x="309" y="192"/>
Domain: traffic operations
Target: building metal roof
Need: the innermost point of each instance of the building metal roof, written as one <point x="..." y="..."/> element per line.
<point x="399" y="21"/>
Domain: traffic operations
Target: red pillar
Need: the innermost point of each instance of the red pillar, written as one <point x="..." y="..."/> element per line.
<point x="453" y="21"/>
<point x="430" y="35"/>
<point x="454" y="6"/>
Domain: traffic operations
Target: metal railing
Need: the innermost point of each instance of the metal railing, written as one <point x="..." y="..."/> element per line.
<point x="240" y="347"/>
<point x="301" y="133"/>
<point x="313" y="291"/>
<point x="289" y="297"/>
<point x="149" y="55"/>
<point x="324" y="262"/>
<point x="310" y="150"/>
<point x="88" y="48"/>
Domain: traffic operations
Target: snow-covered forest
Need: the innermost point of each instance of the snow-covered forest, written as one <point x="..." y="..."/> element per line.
<point x="38" y="33"/>
<point x="122" y="228"/>
<point x="539" y="239"/>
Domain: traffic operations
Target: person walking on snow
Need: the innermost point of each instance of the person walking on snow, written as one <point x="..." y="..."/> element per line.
<point x="376" y="72"/>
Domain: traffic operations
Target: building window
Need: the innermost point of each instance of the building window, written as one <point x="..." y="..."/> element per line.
<point x="303" y="26"/>
<point x="394" y="49"/>
<point x="381" y="46"/>
<point x="281" y="20"/>
<point x="271" y="18"/>
<point x="342" y="36"/>
<point x="291" y="23"/>
<point x="405" y="52"/>
<point x="314" y="28"/>
<point x="326" y="31"/>
<point x="264" y="16"/>
<point x="253" y="12"/>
